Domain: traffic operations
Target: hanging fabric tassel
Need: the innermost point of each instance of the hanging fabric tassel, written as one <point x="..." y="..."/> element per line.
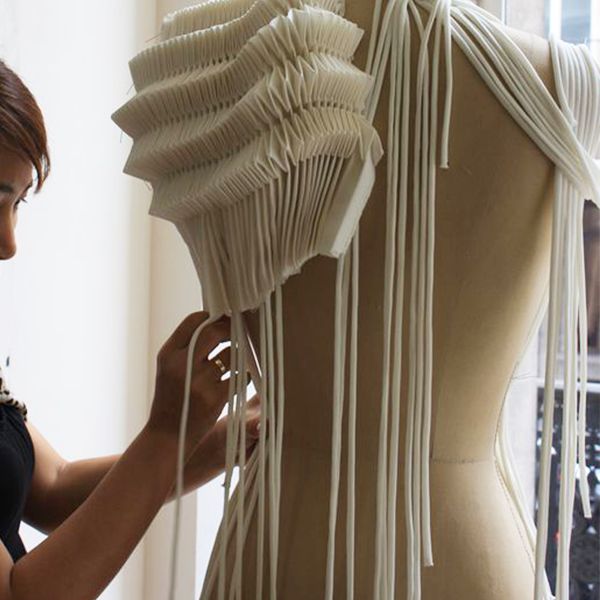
<point x="401" y="146"/>
<point x="232" y="433"/>
<point x="341" y="296"/>
<point x="262" y="459"/>
<point x="241" y="388"/>
<point x="272" y="462"/>
<point x="379" y="64"/>
<point x="352" y="392"/>
<point x="394" y="39"/>
<point x="280" y="401"/>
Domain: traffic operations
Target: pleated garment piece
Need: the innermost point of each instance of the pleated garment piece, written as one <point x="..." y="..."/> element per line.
<point x="256" y="132"/>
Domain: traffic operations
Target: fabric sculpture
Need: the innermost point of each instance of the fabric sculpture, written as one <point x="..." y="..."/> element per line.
<point x="255" y="130"/>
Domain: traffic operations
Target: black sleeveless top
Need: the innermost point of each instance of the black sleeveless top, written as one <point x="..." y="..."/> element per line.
<point x="16" y="470"/>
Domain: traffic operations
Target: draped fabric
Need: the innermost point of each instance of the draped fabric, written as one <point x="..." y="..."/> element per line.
<point x="255" y="130"/>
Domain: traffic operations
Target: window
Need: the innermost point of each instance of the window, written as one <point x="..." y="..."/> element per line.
<point x="571" y="20"/>
<point x="575" y="21"/>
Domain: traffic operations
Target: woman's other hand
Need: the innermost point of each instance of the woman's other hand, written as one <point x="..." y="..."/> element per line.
<point x="208" y="460"/>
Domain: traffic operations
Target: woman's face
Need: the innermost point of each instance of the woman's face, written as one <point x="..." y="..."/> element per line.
<point x="15" y="181"/>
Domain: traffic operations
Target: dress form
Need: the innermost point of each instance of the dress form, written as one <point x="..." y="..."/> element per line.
<point x="493" y="231"/>
<point x="249" y="219"/>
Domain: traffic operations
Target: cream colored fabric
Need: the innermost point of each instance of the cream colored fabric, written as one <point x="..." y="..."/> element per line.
<point x="254" y="128"/>
<point x="229" y="121"/>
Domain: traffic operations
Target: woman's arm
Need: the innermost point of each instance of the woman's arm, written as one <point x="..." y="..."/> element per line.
<point x="208" y="460"/>
<point x="58" y="486"/>
<point x="83" y="554"/>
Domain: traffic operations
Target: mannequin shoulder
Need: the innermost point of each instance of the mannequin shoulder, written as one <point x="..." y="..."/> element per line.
<point x="537" y="50"/>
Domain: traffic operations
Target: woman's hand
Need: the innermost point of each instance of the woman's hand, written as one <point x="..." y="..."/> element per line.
<point x="208" y="460"/>
<point x="208" y="394"/>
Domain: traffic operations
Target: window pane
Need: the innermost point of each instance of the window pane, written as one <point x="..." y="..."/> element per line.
<point x="576" y="16"/>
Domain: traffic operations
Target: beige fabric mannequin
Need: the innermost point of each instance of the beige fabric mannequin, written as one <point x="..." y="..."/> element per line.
<point x="492" y="259"/>
<point x="192" y="121"/>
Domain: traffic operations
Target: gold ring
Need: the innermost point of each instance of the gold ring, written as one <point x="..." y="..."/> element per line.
<point x="221" y="366"/>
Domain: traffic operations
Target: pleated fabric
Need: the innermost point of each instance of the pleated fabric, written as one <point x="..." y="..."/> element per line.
<point x="253" y="136"/>
<point x="255" y="130"/>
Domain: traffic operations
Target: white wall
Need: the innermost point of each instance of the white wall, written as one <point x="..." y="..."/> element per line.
<point x="84" y="305"/>
<point x="74" y="302"/>
<point x="175" y="292"/>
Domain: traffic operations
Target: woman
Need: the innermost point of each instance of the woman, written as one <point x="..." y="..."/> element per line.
<point x="94" y="511"/>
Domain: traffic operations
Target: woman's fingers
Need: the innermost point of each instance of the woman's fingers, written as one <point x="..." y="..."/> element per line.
<point x="253" y="428"/>
<point x="213" y="333"/>
<point x="253" y="418"/>
<point x="180" y="338"/>
<point x="252" y="435"/>
<point x="206" y="385"/>
<point x="221" y="363"/>
<point x="254" y="402"/>
<point x="209" y="392"/>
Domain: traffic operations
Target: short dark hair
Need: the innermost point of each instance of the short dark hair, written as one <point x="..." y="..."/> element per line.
<point x="22" y="128"/>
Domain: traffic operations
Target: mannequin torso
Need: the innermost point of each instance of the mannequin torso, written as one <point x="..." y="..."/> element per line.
<point x="492" y="256"/>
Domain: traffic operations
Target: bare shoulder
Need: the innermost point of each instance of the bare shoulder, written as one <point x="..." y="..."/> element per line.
<point x="45" y="454"/>
<point x="48" y="461"/>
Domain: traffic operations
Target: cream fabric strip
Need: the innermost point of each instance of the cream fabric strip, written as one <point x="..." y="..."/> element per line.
<point x="341" y="295"/>
<point x="271" y="439"/>
<point x="232" y="433"/>
<point x="394" y="43"/>
<point x="241" y="454"/>
<point x="352" y="402"/>
<point x="262" y="459"/>
<point x="279" y="420"/>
